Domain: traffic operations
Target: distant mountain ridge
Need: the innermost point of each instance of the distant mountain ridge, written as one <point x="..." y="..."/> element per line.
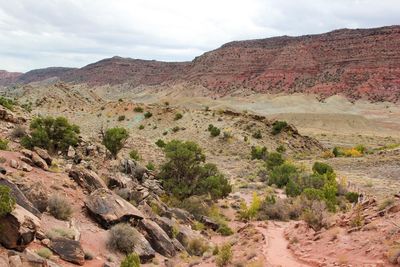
<point x="360" y="63"/>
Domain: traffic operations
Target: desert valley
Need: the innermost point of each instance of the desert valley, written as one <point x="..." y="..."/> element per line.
<point x="282" y="151"/>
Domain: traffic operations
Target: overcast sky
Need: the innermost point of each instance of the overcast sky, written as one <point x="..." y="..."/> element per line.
<point x="42" y="33"/>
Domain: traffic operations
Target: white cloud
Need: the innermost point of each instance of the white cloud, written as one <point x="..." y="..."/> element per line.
<point x="45" y="33"/>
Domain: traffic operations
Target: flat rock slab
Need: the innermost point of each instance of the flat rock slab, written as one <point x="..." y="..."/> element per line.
<point x="108" y="209"/>
<point x="157" y="237"/>
<point x="20" y="197"/>
<point x="68" y="250"/>
<point x="86" y="179"/>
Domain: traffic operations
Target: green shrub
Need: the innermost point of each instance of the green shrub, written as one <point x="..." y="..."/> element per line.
<point x="185" y="174"/>
<point x="313" y="194"/>
<point x="361" y="148"/>
<point x="314" y="180"/>
<point x="150" y="166"/>
<point x="224" y="229"/>
<point x="7" y="103"/>
<point x="160" y="143"/>
<point x="214" y="131"/>
<point x="138" y="109"/>
<point x="330" y="191"/>
<point x="292" y="189"/>
<point x="248" y="213"/>
<point x="281" y="175"/>
<point x="337" y="152"/>
<point x="121" y="118"/>
<point x="216" y="185"/>
<point x="52" y="134"/>
<point x="258" y="152"/>
<point x="281" y="149"/>
<point x="114" y="139"/>
<point x="278" y="126"/>
<point x="178" y="116"/>
<point x="3" y="144"/>
<point x="131" y="260"/>
<point x="257" y="134"/>
<point x="274" y="159"/>
<point x="322" y="168"/>
<point x="7" y="202"/>
<point x="134" y="154"/>
<point x="224" y="256"/>
<point x="59" y="207"/>
<point x="122" y="237"/>
<point x="148" y="114"/>
<point x="175" y="129"/>
<point x="44" y="253"/>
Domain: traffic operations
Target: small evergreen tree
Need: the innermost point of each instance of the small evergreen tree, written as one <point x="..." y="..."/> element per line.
<point x="52" y="134"/>
<point x="114" y="139"/>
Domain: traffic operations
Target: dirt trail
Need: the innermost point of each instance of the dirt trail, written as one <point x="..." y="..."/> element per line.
<point x="275" y="249"/>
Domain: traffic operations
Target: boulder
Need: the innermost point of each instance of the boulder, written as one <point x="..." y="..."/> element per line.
<point x="14" y="164"/>
<point x="133" y="169"/>
<point x="43" y="154"/>
<point x="18" y="228"/>
<point x="109" y="209"/>
<point x="20" y="197"/>
<point x="118" y="180"/>
<point x="209" y="223"/>
<point x="38" y="161"/>
<point x="26" y="168"/>
<point x="27" y="160"/>
<point x="87" y="179"/>
<point x="158" y="239"/>
<point x="27" y="153"/>
<point x="167" y="225"/>
<point x="68" y="250"/>
<point x="143" y="248"/>
<point x="71" y="152"/>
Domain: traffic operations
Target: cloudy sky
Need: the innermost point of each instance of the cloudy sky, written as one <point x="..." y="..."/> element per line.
<point x="42" y="33"/>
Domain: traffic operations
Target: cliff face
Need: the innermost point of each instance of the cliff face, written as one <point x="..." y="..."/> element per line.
<point x="363" y="63"/>
<point x="355" y="63"/>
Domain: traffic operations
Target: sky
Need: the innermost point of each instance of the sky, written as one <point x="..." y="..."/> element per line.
<point x="73" y="33"/>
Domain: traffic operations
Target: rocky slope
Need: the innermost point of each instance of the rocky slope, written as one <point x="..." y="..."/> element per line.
<point x="7" y="78"/>
<point x="362" y="63"/>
